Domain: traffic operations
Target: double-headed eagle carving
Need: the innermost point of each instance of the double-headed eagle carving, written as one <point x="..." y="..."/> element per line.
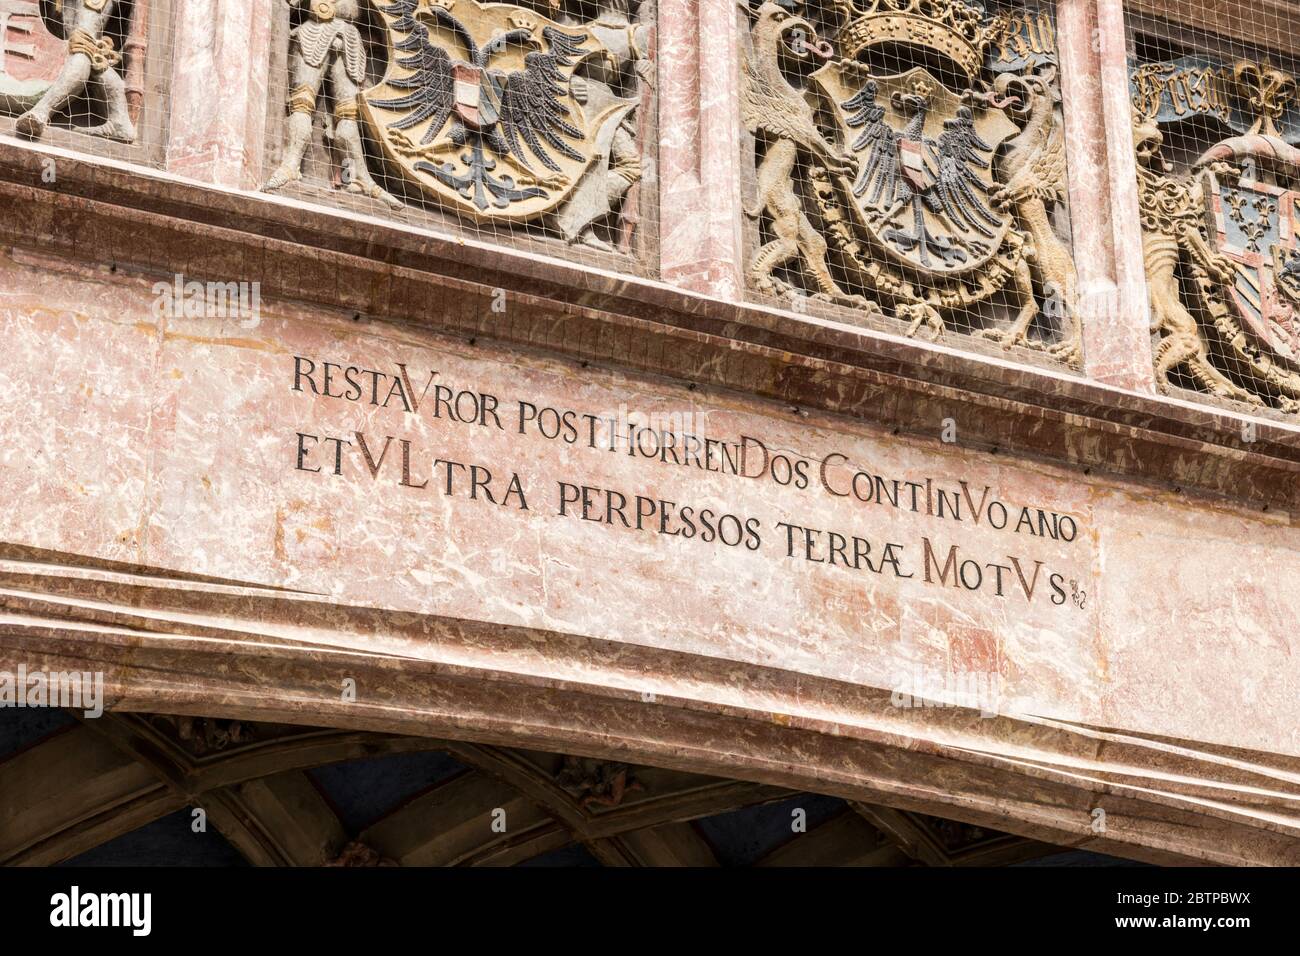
<point x="905" y="168"/>
<point x="517" y="114"/>
<point x="924" y="211"/>
<point x="522" y="106"/>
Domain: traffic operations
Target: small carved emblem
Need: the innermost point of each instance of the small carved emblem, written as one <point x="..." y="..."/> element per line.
<point x="597" y="782"/>
<point x="357" y="854"/>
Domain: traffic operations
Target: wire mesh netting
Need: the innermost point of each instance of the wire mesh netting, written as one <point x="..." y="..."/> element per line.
<point x="910" y="168"/>
<point x="529" y="124"/>
<point x="1216" y="125"/>
<point x="88" y="73"/>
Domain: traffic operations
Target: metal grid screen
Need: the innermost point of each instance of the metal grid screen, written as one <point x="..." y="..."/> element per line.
<point x="87" y="74"/>
<point x="909" y="169"/>
<point x="529" y="124"/>
<point x="1216" y="122"/>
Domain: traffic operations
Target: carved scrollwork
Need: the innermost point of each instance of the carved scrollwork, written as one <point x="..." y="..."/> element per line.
<point x="915" y="168"/>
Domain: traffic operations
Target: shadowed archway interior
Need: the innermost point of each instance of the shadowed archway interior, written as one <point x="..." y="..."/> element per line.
<point x="132" y="786"/>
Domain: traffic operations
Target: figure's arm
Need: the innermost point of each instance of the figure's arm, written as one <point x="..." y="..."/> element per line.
<point x="1219" y="266"/>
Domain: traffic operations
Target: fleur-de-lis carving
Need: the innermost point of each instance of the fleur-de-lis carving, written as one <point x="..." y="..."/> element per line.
<point x="1238" y="202"/>
<point x="1267" y="90"/>
<point x="1254" y="232"/>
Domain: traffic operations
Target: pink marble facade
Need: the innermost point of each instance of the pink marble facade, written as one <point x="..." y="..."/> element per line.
<point x="220" y="59"/>
<point x="1103" y="194"/>
<point x="699" y="147"/>
<point x="182" y="521"/>
<point x="173" y="443"/>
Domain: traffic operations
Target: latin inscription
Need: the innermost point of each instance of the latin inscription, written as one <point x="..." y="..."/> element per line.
<point x="377" y="454"/>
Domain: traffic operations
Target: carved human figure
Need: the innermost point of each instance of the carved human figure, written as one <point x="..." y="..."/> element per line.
<point x="93" y="59"/>
<point x="328" y="43"/>
<point x="599" y="83"/>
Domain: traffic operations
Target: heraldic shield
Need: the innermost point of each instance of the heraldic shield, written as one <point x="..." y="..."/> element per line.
<point x="924" y="166"/>
<point x="477" y="109"/>
<point x="1256" y="226"/>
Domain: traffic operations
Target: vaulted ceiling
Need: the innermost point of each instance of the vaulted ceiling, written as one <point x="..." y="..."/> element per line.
<point x="127" y="789"/>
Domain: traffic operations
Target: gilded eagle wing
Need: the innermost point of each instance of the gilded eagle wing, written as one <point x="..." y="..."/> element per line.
<point x="432" y="93"/>
<point x="957" y="189"/>
<point x="531" y="111"/>
<point x="879" y="171"/>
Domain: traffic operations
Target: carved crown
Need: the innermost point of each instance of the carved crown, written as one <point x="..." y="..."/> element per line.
<point x="953" y="28"/>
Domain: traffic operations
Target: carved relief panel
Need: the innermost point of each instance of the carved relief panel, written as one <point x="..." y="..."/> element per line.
<point x="910" y="166"/>
<point x="85" y="67"/>
<point x="515" y="121"/>
<point x="1216" y="123"/>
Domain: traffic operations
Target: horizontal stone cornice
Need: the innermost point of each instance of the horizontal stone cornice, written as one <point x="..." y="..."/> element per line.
<point x="206" y="648"/>
<point x="139" y="221"/>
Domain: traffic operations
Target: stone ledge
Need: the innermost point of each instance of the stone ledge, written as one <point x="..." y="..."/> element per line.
<point x="204" y="649"/>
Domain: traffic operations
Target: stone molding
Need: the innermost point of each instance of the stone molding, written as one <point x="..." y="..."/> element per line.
<point x="217" y="129"/>
<point x="151" y="224"/>
<point x="1103" y="194"/>
<point x="205" y="647"/>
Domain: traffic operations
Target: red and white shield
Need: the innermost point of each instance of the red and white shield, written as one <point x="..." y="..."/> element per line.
<point x="915" y="169"/>
<point x="468" y="82"/>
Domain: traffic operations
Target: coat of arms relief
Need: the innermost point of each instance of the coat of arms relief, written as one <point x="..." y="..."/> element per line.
<point x="521" y="114"/>
<point x="1221" y="225"/>
<point x="910" y="162"/>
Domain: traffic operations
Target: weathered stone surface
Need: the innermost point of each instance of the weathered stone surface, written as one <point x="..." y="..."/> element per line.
<point x="166" y="535"/>
<point x="173" y="443"/>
